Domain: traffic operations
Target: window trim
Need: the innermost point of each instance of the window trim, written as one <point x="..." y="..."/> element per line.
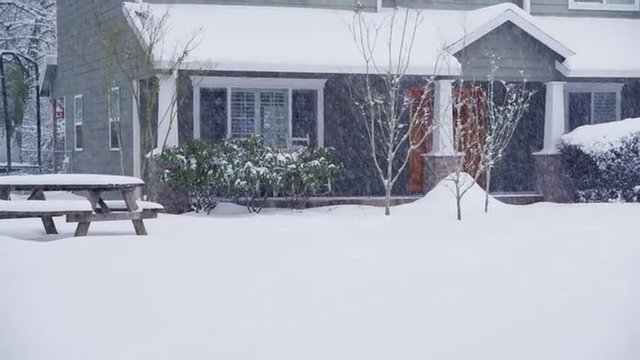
<point x="77" y="122"/>
<point x="603" y="6"/>
<point x="112" y="119"/>
<point x="593" y="88"/>
<point x="289" y="84"/>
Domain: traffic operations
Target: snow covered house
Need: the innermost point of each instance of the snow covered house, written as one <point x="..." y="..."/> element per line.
<point x="286" y="63"/>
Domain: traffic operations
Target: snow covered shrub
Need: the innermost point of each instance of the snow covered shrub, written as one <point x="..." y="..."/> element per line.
<point x="603" y="161"/>
<point x="253" y="172"/>
<point x="246" y="170"/>
<point x="199" y="169"/>
<point x="306" y="172"/>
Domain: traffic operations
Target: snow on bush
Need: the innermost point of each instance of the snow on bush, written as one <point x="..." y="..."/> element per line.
<point x="246" y="170"/>
<point x="602" y="138"/>
<point x="603" y="161"/>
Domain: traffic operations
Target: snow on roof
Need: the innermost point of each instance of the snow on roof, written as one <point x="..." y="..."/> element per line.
<point x="254" y="38"/>
<point x="604" y="47"/>
<point x="599" y="138"/>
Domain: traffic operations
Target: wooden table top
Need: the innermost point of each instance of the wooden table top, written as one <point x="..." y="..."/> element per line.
<point x="69" y="182"/>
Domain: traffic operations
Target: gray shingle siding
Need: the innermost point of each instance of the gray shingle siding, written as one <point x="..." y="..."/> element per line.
<point x="85" y="68"/>
<point x="516" y="54"/>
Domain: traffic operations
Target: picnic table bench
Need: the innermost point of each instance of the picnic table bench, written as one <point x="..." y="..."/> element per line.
<point x="76" y="211"/>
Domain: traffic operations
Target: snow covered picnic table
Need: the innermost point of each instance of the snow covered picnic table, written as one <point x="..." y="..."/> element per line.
<point x="76" y="211"/>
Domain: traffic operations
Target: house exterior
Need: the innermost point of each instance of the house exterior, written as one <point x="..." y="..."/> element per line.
<point x="281" y="69"/>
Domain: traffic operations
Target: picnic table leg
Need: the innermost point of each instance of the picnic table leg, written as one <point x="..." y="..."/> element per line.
<point x="82" y="229"/>
<point x="132" y="205"/>
<point x="47" y="221"/>
<point x="97" y="204"/>
<point x="139" y="226"/>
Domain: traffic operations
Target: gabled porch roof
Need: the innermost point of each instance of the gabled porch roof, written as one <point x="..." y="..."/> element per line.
<point x="303" y="40"/>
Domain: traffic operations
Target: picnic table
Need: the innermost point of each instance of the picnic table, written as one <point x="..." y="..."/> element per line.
<point x="95" y="187"/>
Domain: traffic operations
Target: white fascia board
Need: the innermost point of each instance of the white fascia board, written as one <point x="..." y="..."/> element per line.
<point x="524" y="24"/>
<point x="450" y="67"/>
<point x="257" y="83"/>
<point x="562" y="68"/>
<point x="596" y="73"/>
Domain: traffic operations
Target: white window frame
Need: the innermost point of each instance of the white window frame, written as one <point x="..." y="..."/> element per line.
<point x="603" y="6"/>
<point x="592" y="88"/>
<point x="113" y="119"/>
<point x="289" y="84"/>
<point x="78" y="121"/>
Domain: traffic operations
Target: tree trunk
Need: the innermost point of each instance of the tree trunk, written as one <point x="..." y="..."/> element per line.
<point x="486" y="191"/>
<point x="458" y="201"/>
<point x="387" y="199"/>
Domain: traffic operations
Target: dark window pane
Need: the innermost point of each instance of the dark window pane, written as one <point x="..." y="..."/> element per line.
<point x="274" y="124"/>
<point x="78" y="136"/>
<point x="604" y="107"/>
<point x="115" y="134"/>
<point x="213" y="114"/>
<point x="243" y="113"/>
<point x="579" y="109"/>
<point x="304" y="116"/>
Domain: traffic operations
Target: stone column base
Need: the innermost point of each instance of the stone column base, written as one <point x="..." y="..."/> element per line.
<point x="436" y="168"/>
<point x="549" y="179"/>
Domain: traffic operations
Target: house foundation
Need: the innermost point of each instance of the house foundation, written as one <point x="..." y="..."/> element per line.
<point x="549" y="179"/>
<point x="436" y="168"/>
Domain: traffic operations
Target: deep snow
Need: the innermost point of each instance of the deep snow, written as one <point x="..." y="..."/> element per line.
<point x="537" y="282"/>
<point x="600" y="138"/>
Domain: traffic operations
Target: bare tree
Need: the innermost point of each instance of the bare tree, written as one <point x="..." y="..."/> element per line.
<point x="502" y="119"/>
<point x="466" y="142"/>
<point x="136" y="54"/>
<point x="391" y="118"/>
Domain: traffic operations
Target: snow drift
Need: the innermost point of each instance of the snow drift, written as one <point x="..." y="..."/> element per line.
<point x="442" y="199"/>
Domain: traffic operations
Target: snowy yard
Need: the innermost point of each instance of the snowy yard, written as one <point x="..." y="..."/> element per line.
<point x="536" y="282"/>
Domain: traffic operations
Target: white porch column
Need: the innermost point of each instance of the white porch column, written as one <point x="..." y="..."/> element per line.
<point x="443" y="118"/>
<point x="554" y="121"/>
<point x="167" y="110"/>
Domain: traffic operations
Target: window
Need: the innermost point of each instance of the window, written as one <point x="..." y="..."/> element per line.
<point x="607" y="5"/>
<point x="263" y="112"/>
<point x="77" y="122"/>
<point x="283" y="111"/>
<point x="114" y="118"/>
<point x="592" y="104"/>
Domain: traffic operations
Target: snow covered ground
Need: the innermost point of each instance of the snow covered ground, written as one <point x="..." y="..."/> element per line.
<point x="537" y="282"/>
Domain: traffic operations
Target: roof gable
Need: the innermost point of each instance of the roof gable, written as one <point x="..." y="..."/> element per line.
<point x="523" y="21"/>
